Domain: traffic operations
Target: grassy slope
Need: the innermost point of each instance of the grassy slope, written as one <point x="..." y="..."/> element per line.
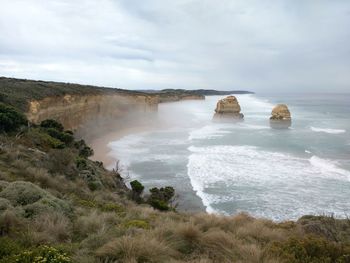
<point x="17" y="92"/>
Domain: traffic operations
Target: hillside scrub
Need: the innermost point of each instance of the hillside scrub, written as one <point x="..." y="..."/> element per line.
<point x="58" y="206"/>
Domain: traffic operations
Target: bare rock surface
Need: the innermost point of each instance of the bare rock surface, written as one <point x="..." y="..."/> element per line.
<point x="228" y="108"/>
<point x="280" y="117"/>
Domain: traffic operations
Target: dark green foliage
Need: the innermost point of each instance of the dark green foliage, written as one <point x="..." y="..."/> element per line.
<point x="309" y="249"/>
<point x="94" y="185"/>
<point x="41" y="139"/>
<point x="10" y="119"/>
<point x="64" y="137"/>
<point x="81" y="163"/>
<point x="33" y="200"/>
<point x="137" y="187"/>
<point x="40" y="254"/>
<point x="8" y="247"/>
<point x="165" y="193"/>
<point x="160" y="198"/>
<point x="159" y="204"/>
<point x="84" y="150"/>
<point x="52" y="124"/>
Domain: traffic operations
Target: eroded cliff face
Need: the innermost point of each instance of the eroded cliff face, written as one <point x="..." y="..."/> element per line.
<point x="74" y="111"/>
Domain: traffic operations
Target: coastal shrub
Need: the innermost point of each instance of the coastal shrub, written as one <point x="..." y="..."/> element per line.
<point x="8" y="247"/>
<point x="326" y="226"/>
<point x="41" y="254"/>
<point x="44" y="140"/>
<point x="159" y="204"/>
<point x="137" y="189"/>
<point x="309" y="249"/>
<point x="81" y="163"/>
<point x="10" y="118"/>
<point x="160" y="198"/>
<point x="62" y="136"/>
<point x="33" y="199"/>
<point x="4" y="204"/>
<point x="3" y="184"/>
<point x="112" y="207"/>
<point x="137" y="224"/>
<point x="52" y="124"/>
<point x="84" y="150"/>
<point x="22" y="193"/>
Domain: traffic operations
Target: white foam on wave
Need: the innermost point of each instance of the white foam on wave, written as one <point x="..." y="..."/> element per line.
<point x="124" y="148"/>
<point x="209" y="132"/>
<point x="267" y="184"/>
<point x="328" y="167"/>
<point x="250" y="103"/>
<point x="328" y="130"/>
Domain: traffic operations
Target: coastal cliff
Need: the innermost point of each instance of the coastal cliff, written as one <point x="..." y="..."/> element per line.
<point x="77" y="106"/>
<point x="73" y="111"/>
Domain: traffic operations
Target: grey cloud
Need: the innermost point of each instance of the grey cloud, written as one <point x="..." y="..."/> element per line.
<point x="243" y="44"/>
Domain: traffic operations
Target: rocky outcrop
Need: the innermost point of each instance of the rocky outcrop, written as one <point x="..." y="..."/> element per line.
<point x="228" y="109"/>
<point x="280" y="117"/>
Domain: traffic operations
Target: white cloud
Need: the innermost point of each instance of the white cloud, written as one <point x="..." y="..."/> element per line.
<point x="226" y="44"/>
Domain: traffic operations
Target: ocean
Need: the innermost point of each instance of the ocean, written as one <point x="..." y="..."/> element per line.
<point x="227" y="168"/>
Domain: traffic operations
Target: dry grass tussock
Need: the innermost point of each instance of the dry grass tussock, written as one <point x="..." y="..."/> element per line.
<point x="51" y="228"/>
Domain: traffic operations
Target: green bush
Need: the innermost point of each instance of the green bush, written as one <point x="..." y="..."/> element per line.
<point x="94" y="185"/>
<point x="8" y="247"/>
<point x="10" y="119"/>
<point x="33" y="199"/>
<point x="42" y="139"/>
<point x="309" y="249"/>
<point x="52" y="124"/>
<point x="62" y="136"/>
<point x="84" y="150"/>
<point x="137" y="187"/>
<point x="43" y="254"/>
<point x="161" y="197"/>
<point x="81" y="163"/>
<point x="137" y="224"/>
<point x="4" y="204"/>
<point x="112" y="207"/>
<point x="159" y="204"/>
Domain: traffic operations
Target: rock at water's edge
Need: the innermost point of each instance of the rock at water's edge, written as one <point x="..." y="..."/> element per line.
<point x="280" y="117"/>
<point x="228" y="109"/>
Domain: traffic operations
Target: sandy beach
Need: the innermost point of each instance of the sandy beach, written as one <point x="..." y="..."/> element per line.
<point x="101" y="149"/>
<point x="100" y="145"/>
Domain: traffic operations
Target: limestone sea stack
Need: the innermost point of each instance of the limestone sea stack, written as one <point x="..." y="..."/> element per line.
<point x="228" y="109"/>
<point x="280" y="117"/>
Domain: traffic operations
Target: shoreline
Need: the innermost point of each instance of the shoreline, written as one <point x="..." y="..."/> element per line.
<point x="100" y="144"/>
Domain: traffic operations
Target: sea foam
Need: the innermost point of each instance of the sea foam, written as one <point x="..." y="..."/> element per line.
<point x="269" y="184"/>
<point x="327" y="130"/>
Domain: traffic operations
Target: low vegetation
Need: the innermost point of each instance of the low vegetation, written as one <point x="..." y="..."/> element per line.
<point x="57" y="206"/>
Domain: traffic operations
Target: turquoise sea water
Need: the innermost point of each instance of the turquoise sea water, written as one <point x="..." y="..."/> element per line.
<point x="231" y="167"/>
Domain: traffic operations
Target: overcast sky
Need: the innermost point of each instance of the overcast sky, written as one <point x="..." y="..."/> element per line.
<point x="270" y="45"/>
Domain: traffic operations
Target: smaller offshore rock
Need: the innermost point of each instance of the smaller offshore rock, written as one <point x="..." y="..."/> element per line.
<point x="280" y="117"/>
<point x="228" y="109"/>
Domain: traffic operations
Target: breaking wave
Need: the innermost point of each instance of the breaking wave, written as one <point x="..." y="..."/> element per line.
<point x="330" y="131"/>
